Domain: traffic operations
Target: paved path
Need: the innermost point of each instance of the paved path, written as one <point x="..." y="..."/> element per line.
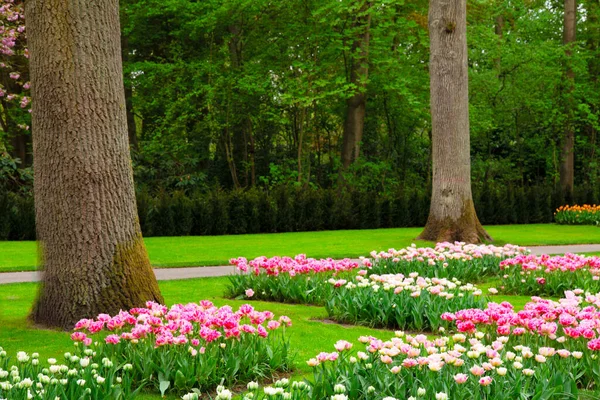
<point x="166" y="274"/>
<point x="162" y="274"/>
<point x="574" y="248"/>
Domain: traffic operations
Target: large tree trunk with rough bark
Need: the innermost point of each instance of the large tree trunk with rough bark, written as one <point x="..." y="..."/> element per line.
<point x="567" y="166"/>
<point x="452" y="213"/>
<point x="90" y="243"/>
<point x="356" y="104"/>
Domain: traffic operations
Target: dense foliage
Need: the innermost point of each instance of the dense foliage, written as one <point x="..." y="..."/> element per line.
<point x="294" y="209"/>
<point x="243" y="93"/>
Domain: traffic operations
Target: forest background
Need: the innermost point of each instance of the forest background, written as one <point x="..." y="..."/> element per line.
<point x="238" y="111"/>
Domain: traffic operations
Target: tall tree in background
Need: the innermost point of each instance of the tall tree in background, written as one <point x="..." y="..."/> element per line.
<point x="358" y="70"/>
<point x="91" y="247"/>
<point x="567" y="166"/>
<point x="452" y="213"/>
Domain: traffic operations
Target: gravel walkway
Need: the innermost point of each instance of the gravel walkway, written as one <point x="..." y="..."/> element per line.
<point x="165" y="274"/>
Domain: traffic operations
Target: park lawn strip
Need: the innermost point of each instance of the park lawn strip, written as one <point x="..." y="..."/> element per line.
<point x="308" y="335"/>
<point x="184" y="251"/>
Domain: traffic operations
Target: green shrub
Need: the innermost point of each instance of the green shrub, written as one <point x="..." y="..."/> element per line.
<point x="267" y="213"/>
<point x="5" y="215"/>
<point x="182" y="212"/>
<point x="22" y="224"/>
<point x="252" y="211"/>
<point x="218" y="210"/>
<point x="285" y="212"/>
<point x="200" y="214"/>
<point x="161" y="216"/>
<point x="308" y="209"/>
<point x="145" y="203"/>
<point x="287" y="209"/>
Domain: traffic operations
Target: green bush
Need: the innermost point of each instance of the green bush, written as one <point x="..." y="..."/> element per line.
<point x="5" y="215"/>
<point x="161" y="216"/>
<point x="22" y="218"/>
<point x="252" y="210"/>
<point x="201" y="216"/>
<point x="237" y="213"/>
<point x="182" y="212"/>
<point x="145" y="202"/>
<point x="218" y="210"/>
<point x="308" y="210"/>
<point x="267" y="213"/>
<point x="289" y="209"/>
<point x="285" y="212"/>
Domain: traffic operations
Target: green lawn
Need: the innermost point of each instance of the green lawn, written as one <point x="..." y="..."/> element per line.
<point x="17" y="334"/>
<point x="217" y="250"/>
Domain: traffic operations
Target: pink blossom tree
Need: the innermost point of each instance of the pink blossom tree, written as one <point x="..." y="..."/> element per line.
<point x="14" y="82"/>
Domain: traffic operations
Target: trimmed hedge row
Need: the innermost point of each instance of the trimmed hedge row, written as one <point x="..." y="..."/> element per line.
<point x="288" y="209"/>
<point x="281" y="210"/>
<point x="17" y="217"/>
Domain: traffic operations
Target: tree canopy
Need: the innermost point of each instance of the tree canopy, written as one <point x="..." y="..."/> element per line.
<point x="242" y="93"/>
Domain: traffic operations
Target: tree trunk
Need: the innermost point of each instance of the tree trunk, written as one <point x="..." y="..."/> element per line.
<point x="567" y="165"/>
<point x="499" y="31"/>
<point x="19" y="148"/>
<point x="94" y="258"/>
<point x="356" y="104"/>
<point x="452" y="213"/>
<point x="593" y="9"/>
<point x="300" y="129"/>
<point x="251" y="152"/>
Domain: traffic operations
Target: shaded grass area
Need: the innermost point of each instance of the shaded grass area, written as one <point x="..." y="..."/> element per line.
<point x="217" y="250"/>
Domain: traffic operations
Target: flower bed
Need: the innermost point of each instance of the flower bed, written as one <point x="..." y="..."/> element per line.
<point x="467" y="262"/>
<point x="572" y="323"/>
<point x="397" y="301"/>
<point x="457" y="367"/>
<point x="90" y="377"/>
<point x="291" y="280"/>
<point x="186" y="346"/>
<point x="546" y="275"/>
<point x="578" y="215"/>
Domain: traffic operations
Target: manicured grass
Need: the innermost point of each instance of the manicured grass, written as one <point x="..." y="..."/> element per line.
<point x="217" y="250"/>
<point x="308" y="335"/>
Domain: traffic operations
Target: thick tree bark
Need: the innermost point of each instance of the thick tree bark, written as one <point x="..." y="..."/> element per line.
<point x="452" y="214"/>
<point x="567" y="165"/>
<point x="90" y="243"/>
<point x="356" y="104"/>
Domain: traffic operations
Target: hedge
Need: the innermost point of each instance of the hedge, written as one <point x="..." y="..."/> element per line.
<point x="290" y="209"/>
